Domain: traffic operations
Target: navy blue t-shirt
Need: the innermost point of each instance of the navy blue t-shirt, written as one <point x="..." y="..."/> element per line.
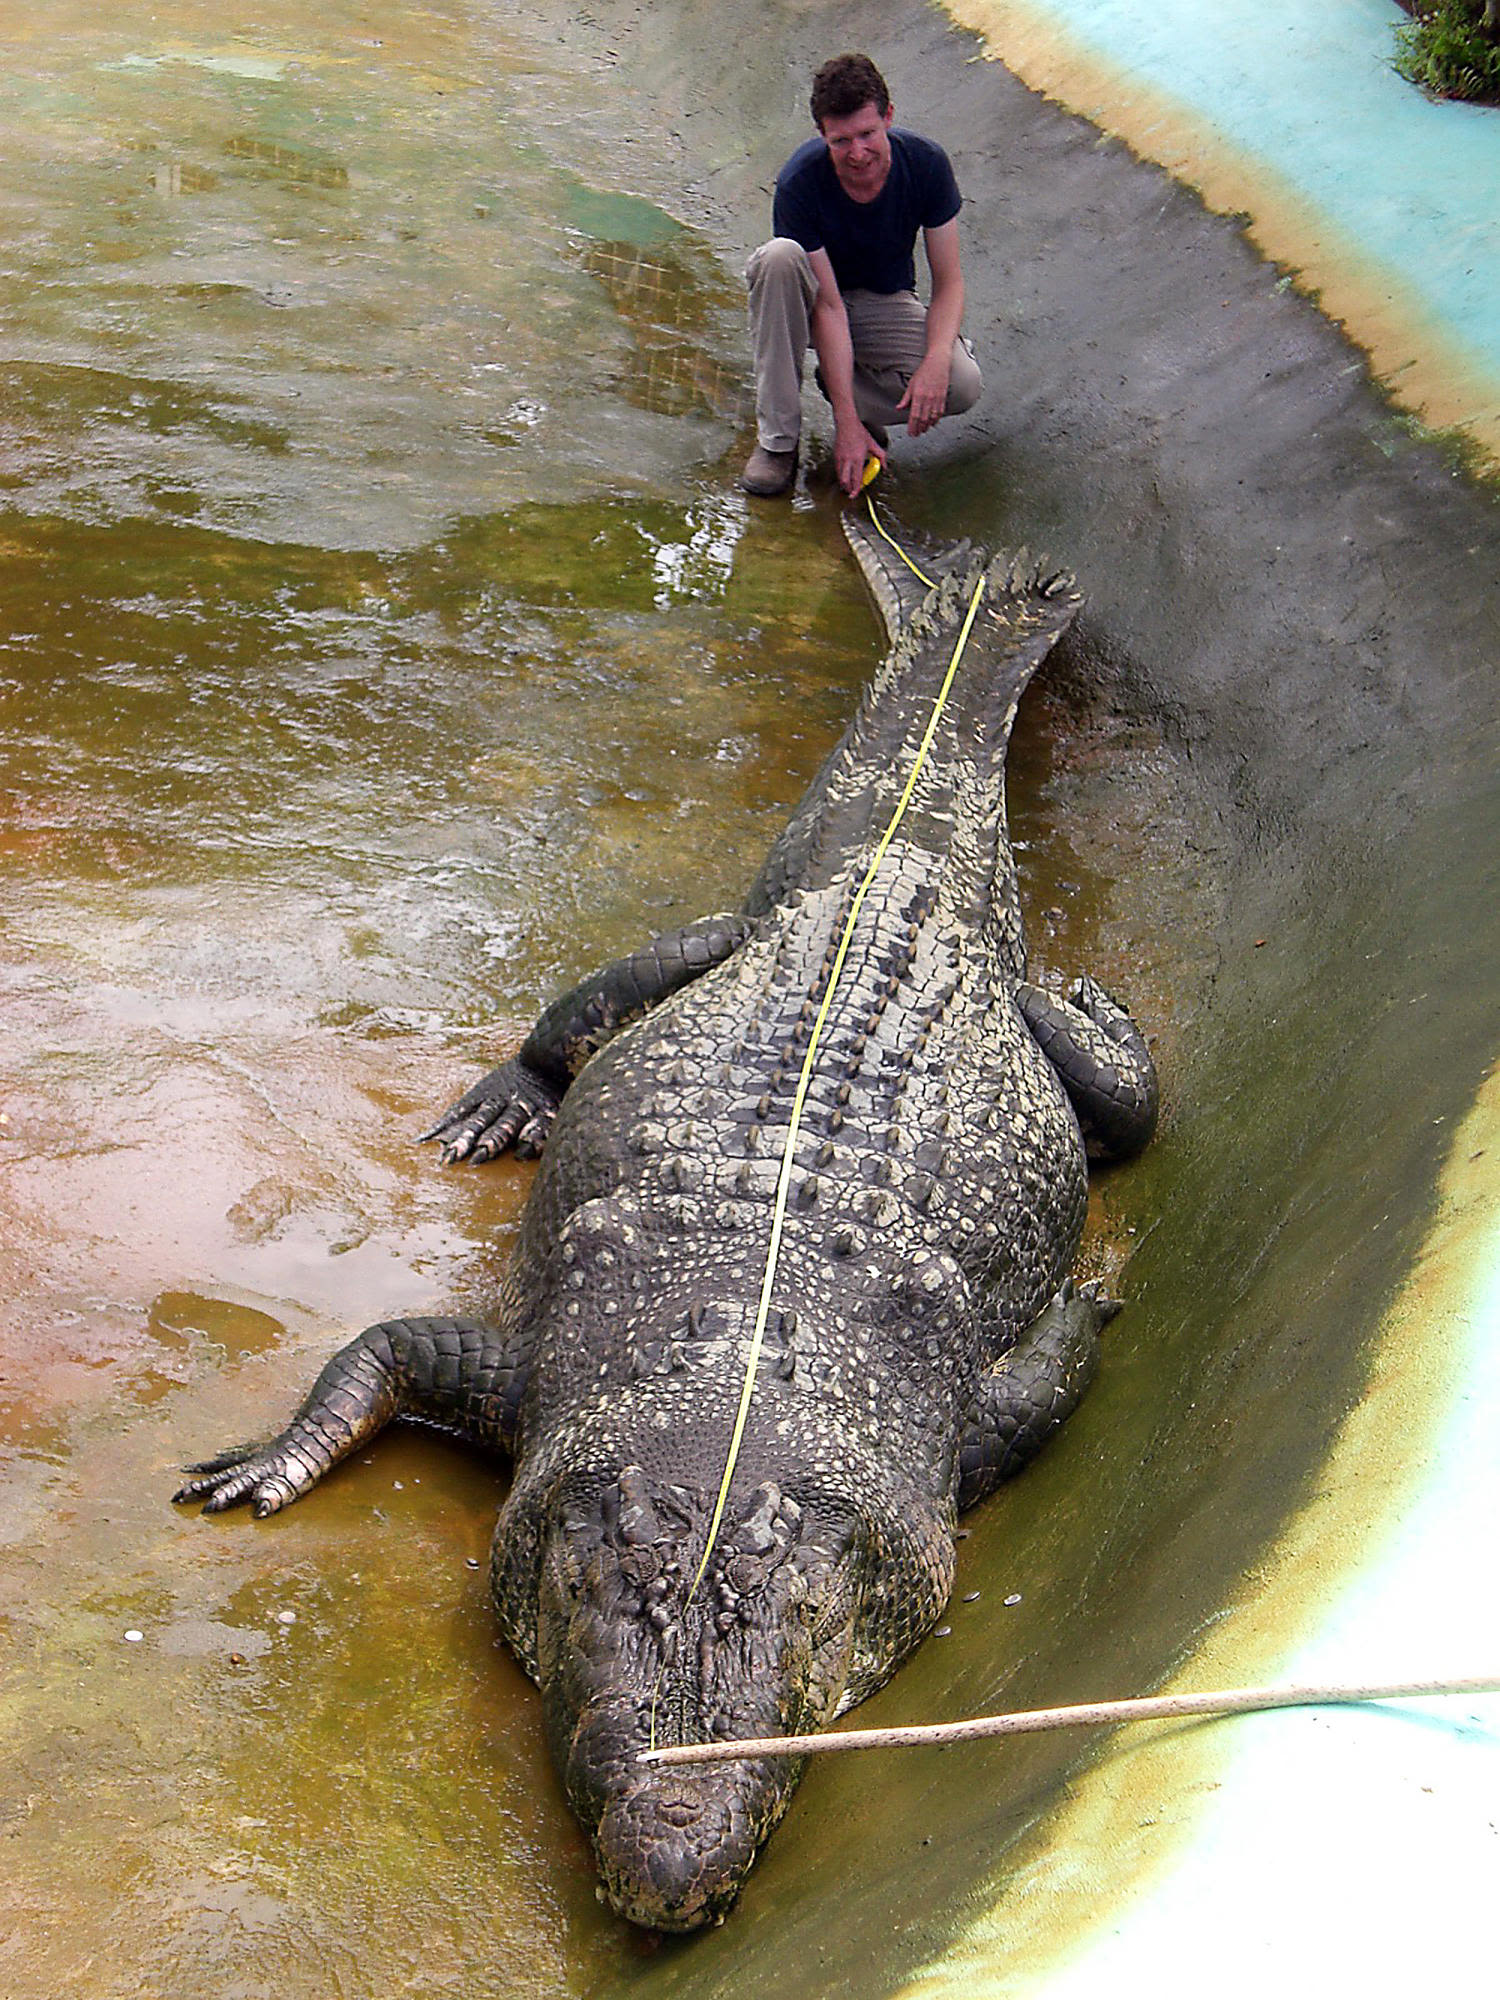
<point x="869" y="243"/>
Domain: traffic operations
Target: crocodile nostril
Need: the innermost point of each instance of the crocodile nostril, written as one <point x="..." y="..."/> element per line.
<point x="680" y="1812"/>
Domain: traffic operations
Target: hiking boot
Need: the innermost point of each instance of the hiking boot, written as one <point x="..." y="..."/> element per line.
<point x="768" y="473"/>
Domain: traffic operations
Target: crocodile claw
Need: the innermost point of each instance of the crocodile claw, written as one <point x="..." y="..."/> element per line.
<point x="257" y="1473"/>
<point x="511" y="1108"/>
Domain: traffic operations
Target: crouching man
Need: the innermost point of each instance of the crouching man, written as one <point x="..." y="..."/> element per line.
<point x="839" y="275"/>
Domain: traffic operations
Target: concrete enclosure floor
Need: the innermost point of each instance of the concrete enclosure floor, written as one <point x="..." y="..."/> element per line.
<point x="388" y="643"/>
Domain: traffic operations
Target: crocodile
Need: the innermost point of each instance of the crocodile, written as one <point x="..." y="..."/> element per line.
<point x="772" y="1323"/>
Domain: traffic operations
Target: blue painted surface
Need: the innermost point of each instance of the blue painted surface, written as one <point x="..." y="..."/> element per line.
<point x="1309" y="89"/>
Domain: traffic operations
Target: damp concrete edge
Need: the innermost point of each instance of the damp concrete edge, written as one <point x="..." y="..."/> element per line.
<point x="1367" y="228"/>
<point x="1240" y="1845"/>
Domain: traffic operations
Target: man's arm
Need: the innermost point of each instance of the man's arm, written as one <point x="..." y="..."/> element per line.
<point x="852" y="443"/>
<point x="926" y="395"/>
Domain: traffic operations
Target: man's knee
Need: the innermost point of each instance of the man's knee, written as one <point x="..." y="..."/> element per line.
<point x="782" y="261"/>
<point x="965" y="383"/>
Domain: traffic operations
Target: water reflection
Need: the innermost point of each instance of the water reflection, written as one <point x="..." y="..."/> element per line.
<point x="176" y="177"/>
<point x="286" y="163"/>
<point x="665" y="303"/>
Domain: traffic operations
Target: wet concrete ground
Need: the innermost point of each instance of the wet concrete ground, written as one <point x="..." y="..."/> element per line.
<point x="386" y="642"/>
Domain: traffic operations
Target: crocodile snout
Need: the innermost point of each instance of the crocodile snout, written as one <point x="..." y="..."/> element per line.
<point x="673" y="1854"/>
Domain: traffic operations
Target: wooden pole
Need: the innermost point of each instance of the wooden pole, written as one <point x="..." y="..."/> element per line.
<point x="1096" y="1714"/>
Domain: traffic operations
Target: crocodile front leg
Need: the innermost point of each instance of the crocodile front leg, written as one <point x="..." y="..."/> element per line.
<point x="1032" y="1389"/>
<point x="451" y="1372"/>
<point x="1101" y="1056"/>
<point x="515" y="1104"/>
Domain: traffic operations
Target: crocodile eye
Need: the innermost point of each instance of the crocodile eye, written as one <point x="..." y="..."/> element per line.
<point x="640" y="1565"/>
<point x="745" y="1574"/>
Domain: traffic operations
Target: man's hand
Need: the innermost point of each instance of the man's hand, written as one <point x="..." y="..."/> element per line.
<point x="926" y="395"/>
<point x="852" y="450"/>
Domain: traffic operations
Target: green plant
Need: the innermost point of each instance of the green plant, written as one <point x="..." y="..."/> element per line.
<point x="1452" y="49"/>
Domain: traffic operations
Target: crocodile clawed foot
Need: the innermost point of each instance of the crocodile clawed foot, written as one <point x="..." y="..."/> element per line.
<point x="209" y="1469"/>
<point x="1093" y="1290"/>
<point x="1092" y="999"/>
<point x="512" y="1107"/>
<point x="268" y="1476"/>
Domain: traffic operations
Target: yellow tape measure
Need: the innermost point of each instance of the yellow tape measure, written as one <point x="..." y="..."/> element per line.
<point x="804" y="1080"/>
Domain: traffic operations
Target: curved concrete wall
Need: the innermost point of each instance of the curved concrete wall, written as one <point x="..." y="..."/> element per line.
<point x="1303" y="602"/>
<point x="1380" y="199"/>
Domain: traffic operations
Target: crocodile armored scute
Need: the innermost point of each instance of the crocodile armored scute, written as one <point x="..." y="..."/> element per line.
<point x="791" y="1286"/>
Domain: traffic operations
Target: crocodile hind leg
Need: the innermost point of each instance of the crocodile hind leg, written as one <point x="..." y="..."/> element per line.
<point x="451" y="1372"/>
<point x="515" y="1104"/>
<point x="1101" y="1056"/>
<point x="1033" y="1388"/>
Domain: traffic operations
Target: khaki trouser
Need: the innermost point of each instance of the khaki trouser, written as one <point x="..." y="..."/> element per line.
<point x="889" y="331"/>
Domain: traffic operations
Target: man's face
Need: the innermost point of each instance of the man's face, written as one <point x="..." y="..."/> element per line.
<point x="859" y="146"/>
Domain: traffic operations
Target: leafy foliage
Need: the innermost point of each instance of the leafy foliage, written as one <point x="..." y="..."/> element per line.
<point x="1452" y="49"/>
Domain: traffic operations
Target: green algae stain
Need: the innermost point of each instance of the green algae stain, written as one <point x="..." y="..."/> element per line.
<point x="610" y="215"/>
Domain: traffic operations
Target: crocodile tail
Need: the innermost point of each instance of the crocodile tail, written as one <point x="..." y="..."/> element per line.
<point x="1027" y="605"/>
<point x="899" y="581"/>
<point x="1027" y="602"/>
<point x="951" y="731"/>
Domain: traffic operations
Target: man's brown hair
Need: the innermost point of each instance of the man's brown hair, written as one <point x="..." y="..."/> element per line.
<point x="846" y="85"/>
